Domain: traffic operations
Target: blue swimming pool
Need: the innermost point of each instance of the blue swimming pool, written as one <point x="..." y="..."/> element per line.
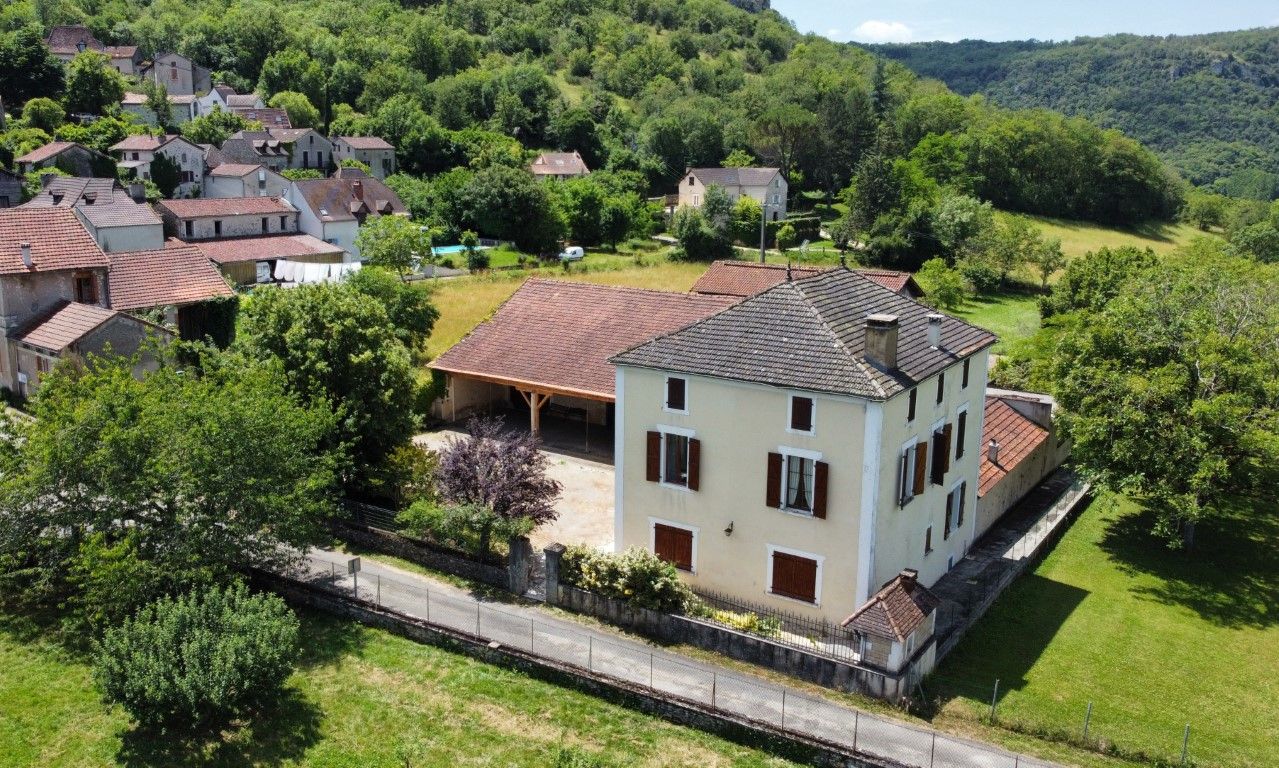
<point x="447" y="250"/>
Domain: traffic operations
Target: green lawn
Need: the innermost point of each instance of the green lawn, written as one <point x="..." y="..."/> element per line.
<point x="362" y="697"/>
<point x="1080" y="237"/>
<point x="1011" y="316"/>
<point x="1155" y="639"/>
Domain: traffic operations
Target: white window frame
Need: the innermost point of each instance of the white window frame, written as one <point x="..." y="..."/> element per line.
<point x="790" y="412"/>
<point x="817" y="579"/>
<point x="908" y="479"/>
<point x="930" y="544"/>
<point x="666" y="391"/>
<point x="697" y="200"/>
<point x="653" y="522"/>
<point x="952" y="511"/>
<point x="800" y="453"/>
<point x="682" y="432"/>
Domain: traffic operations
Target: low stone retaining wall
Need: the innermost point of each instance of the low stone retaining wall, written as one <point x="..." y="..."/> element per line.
<point x="424" y="553"/>
<point x="748" y="732"/>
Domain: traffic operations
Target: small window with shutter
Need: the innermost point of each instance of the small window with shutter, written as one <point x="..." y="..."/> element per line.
<point x="961" y="433"/>
<point x="910" y="405"/>
<point x="961" y="495"/>
<point x="964" y="382"/>
<point x="674" y="545"/>
<point x="801" y="414"/>
<point x="941" y="454"/>
<point x="794" y="576"/>
<point x="797" y="483"/>
<point x="941" y="387"/>
<point x="676" y="394"/>
<point x="674" y="459"/>
<point x="928" y="540"/>
<point x="950" y="506"/>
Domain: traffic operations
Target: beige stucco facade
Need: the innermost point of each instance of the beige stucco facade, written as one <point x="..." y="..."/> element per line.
<point x="772" y="196"/>
<point x="866" y="537"/>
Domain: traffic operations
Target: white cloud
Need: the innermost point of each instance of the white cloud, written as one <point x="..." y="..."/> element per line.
<point x="832" y="34"/>
<point x="875" y="31"/>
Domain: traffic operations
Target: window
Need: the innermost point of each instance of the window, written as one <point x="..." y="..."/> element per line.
<point x="188" y="227"/>
<point x="173" y="71"/>
<point x="306" y="159"/>
<point x="961" y="497"/>
<point x="284" y="223"/>
<point x="674" y="459"/>
<point x="690" y="181"/>
<point x="319" y="158"/>
<point x="135" y="155"/>
<point x="928" y="540"/>
<point x="961" y="432"/>
<point x="217" y="229"/>
<point x="941" y="387"/>
<point x="801" y="414"/>
<point x="911" y="464"/>
<point x="949" y="514"/>
<point x="674" y="544"/>
<point x="265" y="226"/>
<point x="793" y="575"/>
<point x="964" y="381"/>
<point x="697" y="200"/>
<point x="86" y="288"/>
<point x="910" y="405"/>
<point x="941" y="454"/>
<point x="43" y="364"/>
<point x="797" y="482"/>
<point x="676" y="394"/>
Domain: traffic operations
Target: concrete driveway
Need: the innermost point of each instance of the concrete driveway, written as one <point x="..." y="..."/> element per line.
<point x="586" y="503"/>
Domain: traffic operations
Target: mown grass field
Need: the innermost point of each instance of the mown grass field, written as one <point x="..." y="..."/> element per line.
<point x="361" y="697"/>
<point x="1155" y="639"/>
<point x="1080" y="237"/>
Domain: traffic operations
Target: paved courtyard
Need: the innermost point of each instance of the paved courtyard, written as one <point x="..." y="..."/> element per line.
<point x="586" y="504"/>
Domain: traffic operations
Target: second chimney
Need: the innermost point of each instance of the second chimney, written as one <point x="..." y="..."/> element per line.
<point x="881" y="341"/>
<point x="138" y="191"/>
<point x="26" y="254"/>
<point x="934" y="329"/>
<point x="909" y="577"/>
<point x="992" y="452"/>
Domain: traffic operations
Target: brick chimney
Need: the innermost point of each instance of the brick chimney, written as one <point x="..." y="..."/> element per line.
<point x="357" y="188"/>
<point x="934" y="329"/>
<point x="909" y="578"/>
<point x="881" y="341"/>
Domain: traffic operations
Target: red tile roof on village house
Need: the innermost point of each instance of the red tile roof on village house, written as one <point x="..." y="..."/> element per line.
<point x="556" y="336"/>
<point x="58" y="241"/>
<point x="141" y="143"/>
<point x="559" y="164"/>
<point x="52" y="149"/>
<point x="66" y="39"/>
<point x="745" y="278"/>
<point x="63" y="326"/>
<point x="365" y="142"/>
<point x="1018" y="437"/>
<point x="178" y="274"/>
<point x="266" y="248"/>
<point x="896" y="610"/>
<point x="269" y="117"/>
<point x="202" y="207"/>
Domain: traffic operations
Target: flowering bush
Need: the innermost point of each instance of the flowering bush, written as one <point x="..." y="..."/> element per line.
<point x="636" y="576"/>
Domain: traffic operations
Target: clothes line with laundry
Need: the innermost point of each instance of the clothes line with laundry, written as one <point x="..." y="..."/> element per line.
<point x="295" y="272"/>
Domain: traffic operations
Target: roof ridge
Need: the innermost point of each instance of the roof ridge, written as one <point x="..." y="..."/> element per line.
<point x="624" y="288"/>
<point x="867" y="370"/>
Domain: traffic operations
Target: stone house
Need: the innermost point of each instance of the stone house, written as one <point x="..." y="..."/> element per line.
<point x="858" y="456"/>
<point x="181" y="108"/>
<point x="136" y="154"/>
<point x="118" y="220"/>
<point x="280" y="148"/>
<point x="177" y="279"/>
<point x="69" y="157"/>
<point x="228" y="217"/>
<point x="374" y="152"/>
<point x="559" y="165"/>
<point x="269" y="117"/>
<point x="765" y="185"/>
<point x="244" y="180"/>
<point x="1020" y="447"/>
<point x="179" y="75"/>
<point x="225" y="98"/>
<point x="67" y="41"/>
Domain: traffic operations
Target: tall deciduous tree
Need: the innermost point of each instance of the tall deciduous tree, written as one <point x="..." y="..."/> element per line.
<point x="396" y="243"/>
<point x="92" y="84"/>
<point x="27" y="68"/>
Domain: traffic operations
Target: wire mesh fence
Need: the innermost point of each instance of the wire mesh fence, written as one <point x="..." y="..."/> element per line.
<point x="665" y="674"/>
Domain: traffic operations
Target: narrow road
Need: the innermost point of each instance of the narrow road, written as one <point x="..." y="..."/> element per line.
<point x="539" y="631"/>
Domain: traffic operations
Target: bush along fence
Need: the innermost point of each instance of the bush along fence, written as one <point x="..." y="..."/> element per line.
<point x="611" y="591"/>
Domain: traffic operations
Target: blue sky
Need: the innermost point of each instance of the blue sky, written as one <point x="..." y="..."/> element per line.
<point x="919" y="20"/>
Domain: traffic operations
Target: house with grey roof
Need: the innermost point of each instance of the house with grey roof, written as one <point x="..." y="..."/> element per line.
<point x="376" y="153"/>
<point x="559" y="165"/>
<point x="281" y="148"/>
<point x="766" y="185"/>
<point x="136" y="153"/>
<point x="179" y="75"/>
<point x="804" y="446"/>
<point x="333" y="209"/>
<point x="118" y="219"/>
<point x="69" y="40"/>
<point x="10" y="189"/>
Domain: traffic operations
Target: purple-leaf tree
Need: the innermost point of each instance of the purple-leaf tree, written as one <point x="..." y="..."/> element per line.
<point x="500" y="470"/>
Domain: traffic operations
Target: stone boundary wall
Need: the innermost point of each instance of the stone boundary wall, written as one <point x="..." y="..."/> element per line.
<point x="750" y="733"/>
<point x="424" y="553"/>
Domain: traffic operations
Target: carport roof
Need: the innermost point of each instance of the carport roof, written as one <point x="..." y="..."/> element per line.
<point x="556" y="337"/>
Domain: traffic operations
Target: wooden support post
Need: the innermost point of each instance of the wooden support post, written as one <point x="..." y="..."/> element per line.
<point x="535" y="402"/>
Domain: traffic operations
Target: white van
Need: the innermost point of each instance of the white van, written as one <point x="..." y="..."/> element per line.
<point x="573" y="253"/>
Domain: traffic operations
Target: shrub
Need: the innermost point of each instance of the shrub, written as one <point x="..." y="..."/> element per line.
<point x="747" y="621"/>
<point x="981" y="275"/>
<point x="199" y="658"/>
<point x="468" y="527"/>
<point x="637" y="576"/>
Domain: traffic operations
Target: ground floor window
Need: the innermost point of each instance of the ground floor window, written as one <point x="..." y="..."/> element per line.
<point x="794" y="576"/>
<point x="674" y="545"/>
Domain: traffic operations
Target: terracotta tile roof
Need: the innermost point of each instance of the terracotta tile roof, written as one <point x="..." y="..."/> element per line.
<point x="66" y="39"/>
<point x="810" y="334"/>
<point x="896" y="610"/>
<point x="140" y="143"/>
<point x="558" y="336"/>
<point x="202" y="207"/>
<point x="121" y="51"/>
<point x="241" y="100"/>
<point x="365" y="142"/>
<point x="58" y="241"/>
<point x="340" y="199"/>
<point x="63" y="326"/>
<point x="746" y="278"/>
<point x="559" y="164"/>
<point x="269" y="117"/>
<point x="734" y="177"/>
<point x="178" y="274"/>
<point x="121" y="211"/>
<point x="266" y="248"/>
<point x="52" y="149"/>
<point x="132" y="99"/>
<point x="1017" y="435"/>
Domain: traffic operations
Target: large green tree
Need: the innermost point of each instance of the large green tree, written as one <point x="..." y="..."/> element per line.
<point x="27" y="69"/>
<point x="92" y="84"/>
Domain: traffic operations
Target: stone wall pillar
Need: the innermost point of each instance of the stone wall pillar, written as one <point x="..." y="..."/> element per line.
<point x="553" y="555"/>
<point x="519" y="554"/>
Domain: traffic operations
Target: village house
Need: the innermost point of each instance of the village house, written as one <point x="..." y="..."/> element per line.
<point x="747" y="278"/>
<point x="67" y="41"/>
<point x="376" y="153"/>
<point x="136" y="153"/>
<point x="765" y="185"/>
<point x="1020" y="447"/>
<point x="10" y="189"/>
<point x="225" y="98"/>
<point x="212" y="218"/>
<point x="269" y="117"/>
<point x="118" y="220"/>
<point x="333" y="209"/>
<point x="280" y="148"/>
<point x="179" y="75"/>
<point x="68" y="157"/>
<point x="181" y="108"/>
<point x="559" y="165"/>
<point x="177" y="278"/>
<point x="244" y="180"/>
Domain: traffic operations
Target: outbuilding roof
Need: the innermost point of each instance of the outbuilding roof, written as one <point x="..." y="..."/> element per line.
<point x="746" y="278"/>
<point x="896" y="610"/>
<point x="559" y="164"/>
<point x="1017" y="435"/>
<point x="365" y="142"/>
<point x="203" y="207"/>
<point x="57" y="237"/>
<point x="810" y="334"/>
<point x="63" y="326"/>
<point x="52" y="149"/>
<point x="557" y="336"/>
<point x="227" y="251"/>
<point x="175" y="275"/>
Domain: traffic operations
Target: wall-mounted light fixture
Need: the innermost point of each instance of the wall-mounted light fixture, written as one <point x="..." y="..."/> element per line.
<point x="729" y="530"/>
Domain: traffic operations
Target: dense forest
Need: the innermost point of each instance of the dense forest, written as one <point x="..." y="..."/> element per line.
<point x="466" y="90"/>
<point x="1205" y="103"/>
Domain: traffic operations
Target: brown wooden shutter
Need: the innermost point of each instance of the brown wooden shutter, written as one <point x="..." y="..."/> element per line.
<point x="945" y="453"/>
<point x="794" y="577"/>
<point x="801" y="414"/>
<point x="773" y="498"/>
<point x="950" y="504"/>
<point x="654" y="472"/>
<point x="921" y="467"/>
<point x="821" y="475"/>
<point x="901" y="480"/>
<point x="960" y="434"/>
<point x="674" y="545"/>
<point x="938" y="472"/>
<point x="694" y="464"/>
<point x="963" y="496"/>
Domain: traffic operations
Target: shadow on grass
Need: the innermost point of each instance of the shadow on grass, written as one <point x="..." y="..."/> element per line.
<point x="1021" y="624"/>
<point x="1230" y="578"/>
